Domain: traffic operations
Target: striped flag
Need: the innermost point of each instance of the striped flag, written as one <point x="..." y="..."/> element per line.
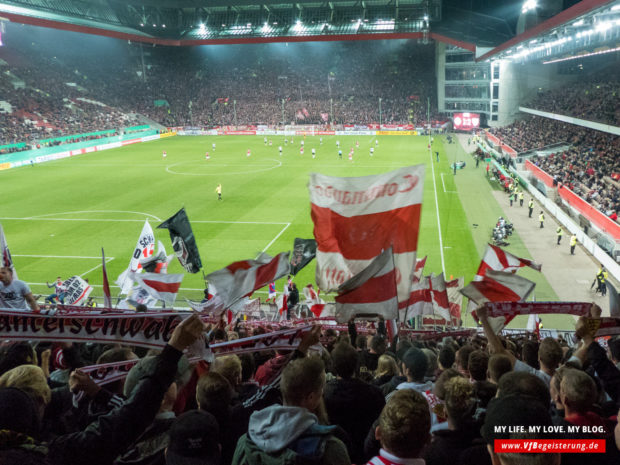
<point x="419" y="269"/>
<point x="355" y="219"/>
<point x="370" y="292"/>
<point x="498" y="286"/>
<point x="499" y="260"/>
<point x="107" y="299"/>
<point x="429" y="297"/>
<point x="240" y="279"/>
<point x="160" y="286"/>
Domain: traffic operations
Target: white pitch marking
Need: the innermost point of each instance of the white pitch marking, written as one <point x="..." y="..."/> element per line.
<point x="444" y="186"/>
<point x="107" y="260"/>
<point x="276" y="238"/>
<point x="443" y="264"/>
<point x="58" y="256"/>
<point x="94" y="211"/>
<point x="168" y="169"/>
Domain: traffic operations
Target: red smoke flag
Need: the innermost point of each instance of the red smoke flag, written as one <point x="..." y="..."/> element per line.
<point x="313" y="301"/>
<point x="160" y="286"/>
<point x="107" y="299"/>
<point x="240" y="279"/>
<point x="305" y="112"/>
<point x="325" y="117"/>
<point x="370" y="292"/>
<point x="356" y="219"/>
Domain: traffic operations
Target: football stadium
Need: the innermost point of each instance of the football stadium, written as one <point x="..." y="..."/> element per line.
<point x="382" y="231"/>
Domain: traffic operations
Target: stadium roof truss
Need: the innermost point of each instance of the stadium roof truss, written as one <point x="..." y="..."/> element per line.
<point x="588" y="28"/>
<point x="195" y="22"/>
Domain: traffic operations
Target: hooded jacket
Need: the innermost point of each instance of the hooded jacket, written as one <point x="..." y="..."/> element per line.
<point x="288" y="435"/>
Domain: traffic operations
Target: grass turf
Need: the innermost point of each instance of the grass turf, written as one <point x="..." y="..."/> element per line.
<point x="59" y="214"/>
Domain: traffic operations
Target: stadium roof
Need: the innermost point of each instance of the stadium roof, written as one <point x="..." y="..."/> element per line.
<point x="590" y="27"/>
<point x="197" y="22"/>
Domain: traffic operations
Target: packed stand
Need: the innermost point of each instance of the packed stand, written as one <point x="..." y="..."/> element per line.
<point x="585" y="99"/>
<point x="590" y="168"/>
<point x="363" y="399"/>
<point x="245" y="86"/>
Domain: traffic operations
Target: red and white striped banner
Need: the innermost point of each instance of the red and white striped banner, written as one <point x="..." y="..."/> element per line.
<point x="355" y="219"/>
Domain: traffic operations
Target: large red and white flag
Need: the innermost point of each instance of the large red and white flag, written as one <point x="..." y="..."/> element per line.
<point x="355" y="219"/>
<point x="314" y="301"/>
<point x="160" y="286"/>
<point x="5" y="255"/>
<point x="498" y="286"/>
<point x="240" y="279"/>
<point x="107" y="298"/>
<point x="144" y="249"/>
<point x="371" y="292"/>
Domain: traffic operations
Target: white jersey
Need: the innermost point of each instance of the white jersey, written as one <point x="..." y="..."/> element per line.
<point x="213" y="145"/>
<point x="338" y="143"/>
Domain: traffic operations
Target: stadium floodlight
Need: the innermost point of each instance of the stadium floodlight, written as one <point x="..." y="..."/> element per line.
<point x="164" y="26"/>
<point x="529" y="5"/>
<point x="154" y="25"/>
<point x="578" y="23"/>
<point x="533" y="41"/>
<point x="142" y="24"/>
<point x="298" y="27"/>
<point x="425" y="17"/>
<point x="615" y="8"/>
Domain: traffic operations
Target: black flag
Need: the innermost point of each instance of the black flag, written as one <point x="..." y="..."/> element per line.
<point x="183" y="241"/>
<point x="304" y="251"/>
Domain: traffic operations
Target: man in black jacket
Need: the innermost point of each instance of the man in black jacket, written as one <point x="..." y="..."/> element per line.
<point x="351" y="403"/>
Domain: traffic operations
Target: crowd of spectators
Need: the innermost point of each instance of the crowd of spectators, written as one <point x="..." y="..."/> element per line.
<point x="49" y="97"/>
<point x="436" y="401"/>
<point x="592" y="100"/>
<point x="590" y="166"/>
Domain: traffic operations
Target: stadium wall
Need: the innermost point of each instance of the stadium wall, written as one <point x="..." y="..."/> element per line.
<point x="42" y="155"/>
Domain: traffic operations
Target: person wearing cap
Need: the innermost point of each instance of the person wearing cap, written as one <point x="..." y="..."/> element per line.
<point x="194" y="440"/>
<point x="102" y="441"/>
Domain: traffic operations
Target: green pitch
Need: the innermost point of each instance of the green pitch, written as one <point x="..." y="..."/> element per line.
<point x="59" y="214"/>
